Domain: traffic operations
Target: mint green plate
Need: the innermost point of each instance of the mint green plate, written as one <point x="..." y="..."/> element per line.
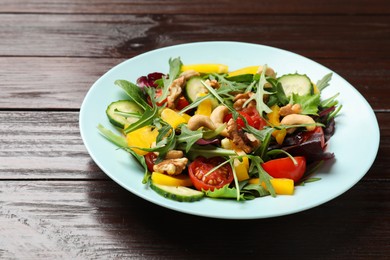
<point x="354" y="154"/>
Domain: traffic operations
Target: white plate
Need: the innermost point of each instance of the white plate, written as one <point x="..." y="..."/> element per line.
<point x="355" y="145"/>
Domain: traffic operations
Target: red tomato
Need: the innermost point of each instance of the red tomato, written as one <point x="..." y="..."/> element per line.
<point x="181" y="103"/>
<point x="258" y="121"/>
<point x="150" y="158"/>
<point x="251" y="115"/>
<point x="216" y="179"/>
<point x="240" y="122"/>
<point x="285" y="168"/>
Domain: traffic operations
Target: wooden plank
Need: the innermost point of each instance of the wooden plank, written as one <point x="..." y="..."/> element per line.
<point x="99" y="219"/>
<point x="128" y="35"/>
<point x="47" y="145"/>
<point x="197" y="7"/>
<point x="44" y="145"/>
<point x="61" y="83"/>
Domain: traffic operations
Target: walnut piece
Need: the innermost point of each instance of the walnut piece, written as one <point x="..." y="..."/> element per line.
<point x="238" y="137"/>
<point x="171" y="166"/>
<point x="240" y="100"/>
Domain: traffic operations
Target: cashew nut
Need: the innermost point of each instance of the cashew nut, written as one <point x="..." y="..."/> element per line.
<point x="217" y="117"/>
<point x="174" y="154"/>
<point x="198" y="121"/>
<point x="297" y="119"/>
<point x="268" y="72"/>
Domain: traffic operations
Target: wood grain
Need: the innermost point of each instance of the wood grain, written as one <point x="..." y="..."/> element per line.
<point x="47" y="145"/>
<point x="99" y="219"/>
<point x="62" y="83"/>
<point x="124" y="36"/>
<point x="197" y="7"/>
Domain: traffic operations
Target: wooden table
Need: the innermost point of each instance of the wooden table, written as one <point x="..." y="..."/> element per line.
<point x="56" y="203"/>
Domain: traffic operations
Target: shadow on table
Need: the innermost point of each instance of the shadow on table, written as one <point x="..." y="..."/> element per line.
<point x="336" y="229"/>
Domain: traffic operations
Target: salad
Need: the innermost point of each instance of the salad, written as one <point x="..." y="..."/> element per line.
<point x="204" y="131"/>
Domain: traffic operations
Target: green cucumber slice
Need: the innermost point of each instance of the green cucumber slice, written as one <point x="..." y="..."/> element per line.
<point x="296" y="83"/>
<point x="177" y="193"/>
<point x="125" y="106"/>
<point x="193" y="88"/>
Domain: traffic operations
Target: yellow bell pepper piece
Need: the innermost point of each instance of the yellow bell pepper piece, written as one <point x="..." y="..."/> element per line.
<point x="246" y="70"/>
<point x="176" y="180"/>
<point x="241" y="168"/>
<point x="205" y="108"/>
<point x="282" y="186"/>
<point x="274" y="120"/>
<point x="143" y="137"/>
<point x="172" y="117"/>
<point x="206" y="68"/>
<point x="186" y="117"/>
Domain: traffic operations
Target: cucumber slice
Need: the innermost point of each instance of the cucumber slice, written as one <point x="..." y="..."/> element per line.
<point x="177" y="193"/>
<point x="296" y="83"/>
<point x="193" y="88"/>
<point x="122" y="106"/>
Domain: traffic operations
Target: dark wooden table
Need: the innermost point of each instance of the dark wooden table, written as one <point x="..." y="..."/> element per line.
<point x="56" y="203"/>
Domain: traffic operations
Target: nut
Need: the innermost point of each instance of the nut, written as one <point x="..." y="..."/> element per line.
<point x="290" y="109"/>
<point x="189" y="74"/>
<point x="240" y="100"/>
<point x="217" y="117"/>
<point x="297" y="119"/>
<point x="174" y="154"/>
<point x="198" y="121"/>
<point x="171" y="166"/>
<point x="268" y="72"/>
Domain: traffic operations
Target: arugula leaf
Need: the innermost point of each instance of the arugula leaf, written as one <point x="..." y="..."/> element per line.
<point x="189" y="137"/>
<point x="224" y="192"/>
<point x="259" y="95"/>
<point x="263" y="175"/>
<point x="118" y="140"/>
<point x="330" y="102"/>
<point x="146" y="119"/>
<point x="133" y="91"/>
<point x="121" y="142"/>
<point x="324" y="82"/>
<point x="260" y="190"/>
<point x="174" y="71"/>
<point x="206" y="151"/>
<point x="309" y="103"/>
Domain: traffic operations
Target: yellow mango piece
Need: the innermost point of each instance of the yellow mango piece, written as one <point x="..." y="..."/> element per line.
<point x="246" y="70"/>
<point x="143" y="137"/>
<point x="206" y="68"/>
<point x="176" y="180"/>
<point x="172" y="117"/>
<point x="241" y="168"/>
<point x="282" y="186"/>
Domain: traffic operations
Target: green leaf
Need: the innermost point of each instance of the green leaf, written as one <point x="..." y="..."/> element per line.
<point x="260" y="191"/>
<point x="324" y="82"/>
<point x="309" y="103"/>
<point x="225" y="192"/>
<point x="133" y="91"/>
<point x="259" y="96"/>
<point x="118" y="140"/>
<point x="146" y="119"/>
<point x="188" y="137"/>
<point x="174" y="71"/>
<point x="206" y="151"/>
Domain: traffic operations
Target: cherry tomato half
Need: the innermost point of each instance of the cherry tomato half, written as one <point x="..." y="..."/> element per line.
<point x="216" y="179"/>
<point x="258" y="121"/>
<point x="181" y="103"/>
<point x="285" y="168"/>
<point x="252" y="117"/>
